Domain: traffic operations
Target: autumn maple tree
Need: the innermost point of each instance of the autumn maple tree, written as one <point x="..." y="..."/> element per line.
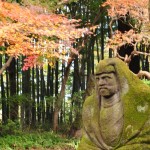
<point x="39" y="35"/>
<point x="136" y="14"/>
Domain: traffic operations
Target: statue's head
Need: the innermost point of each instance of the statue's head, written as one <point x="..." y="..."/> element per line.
<point x="109" y="78"/>
<point x="106" y="82"/>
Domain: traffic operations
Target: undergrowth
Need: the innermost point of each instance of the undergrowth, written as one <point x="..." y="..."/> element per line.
<point x="37" y="141"/>
<point x="146" y="82"/>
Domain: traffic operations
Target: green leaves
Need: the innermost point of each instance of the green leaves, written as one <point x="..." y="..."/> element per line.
<point x="2" y="48"/>
<point x="44" y="140"/>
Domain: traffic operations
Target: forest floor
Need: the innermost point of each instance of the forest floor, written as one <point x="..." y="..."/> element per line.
<point x="37" y="141"/>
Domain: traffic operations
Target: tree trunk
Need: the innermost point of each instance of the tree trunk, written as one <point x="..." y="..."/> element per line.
<point x="38" y="96"/>
<point x="48" y="95"/>
<point x="42" y="87"/>
<point x="61" y="96"/>
<point x="102" y="39"/>
<point x="12" y="82"/>
<point x="90" y="57"/>
<point x="97" y="49"/>
<point x="149" y="9"/>
<point x="33" y="121"/>
<point x="52" y="95"/>
<point x="82" y="73"/>
<point x="7" y="89"/>
<point x="76" y="86"/>
<point x="56" y="106"/>
<point x="26" y="91"/>
<point x="3" y="97"/>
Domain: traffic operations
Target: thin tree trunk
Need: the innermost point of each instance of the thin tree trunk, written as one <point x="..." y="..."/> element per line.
<point x="60" y="119"/>
<point x="3" y="97"/>
<point x="57" y="106"/>
<point x="61" y="96"/>
<point x="52" y="94"/>
<point x="76" y="86"/>
<point x="90" y="57"/>
<point x="38" y="96"/>
<point x="17" y="75"/>
<point x="97" y="49"/>
<point x="33" y="122"/>
<point x="149" y="9"/>
<point x="109" y="35"/>
<point x="82" y="73"/>
<point x="26" y="91"/>
<point x="102" y="39"/>
<point x="48" y="95"/>
<point x="7" y="89"/>
<point x="42" y="87"/>
<point x="6" y="65"/>
<point x="12" y="81"/>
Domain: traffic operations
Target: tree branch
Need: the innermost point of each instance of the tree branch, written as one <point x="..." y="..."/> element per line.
<point x="7" y="64"/>
<point x="144" y="74"/>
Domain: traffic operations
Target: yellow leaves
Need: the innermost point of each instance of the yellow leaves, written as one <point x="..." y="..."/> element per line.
<point x="93" y="28"/>
<point x="64" y="52"/>
<point x="52" y="64"/>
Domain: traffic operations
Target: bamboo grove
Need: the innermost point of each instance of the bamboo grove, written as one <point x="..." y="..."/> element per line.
<point x="51" y="96"/>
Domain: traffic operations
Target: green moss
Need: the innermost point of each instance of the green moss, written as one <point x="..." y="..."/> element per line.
<point x="135" y="96"/>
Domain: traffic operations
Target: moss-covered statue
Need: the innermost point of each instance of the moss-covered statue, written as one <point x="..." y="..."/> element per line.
<point x="116" y="115"/>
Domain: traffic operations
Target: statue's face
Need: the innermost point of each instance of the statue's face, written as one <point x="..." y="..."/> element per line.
<point x="106" y="84"/>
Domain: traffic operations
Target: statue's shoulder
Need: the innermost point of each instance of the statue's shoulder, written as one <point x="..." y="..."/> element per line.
<point x="89" y="102"/>
<point x="90" y="99"/>
<point x="88" y="109"/>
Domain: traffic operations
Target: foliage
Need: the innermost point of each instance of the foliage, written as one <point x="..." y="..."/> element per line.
<point x="35" y="140"/>
<point x="135" y="14"/>
<point x="52" y="5"/>
<point x="11" y="128"/>
<point x="146" y="82"/>
<point x="38" y="34"/>
<point x="130" y="37"/>
<point x="77" y="99"/>
<point x="122" y="8"/>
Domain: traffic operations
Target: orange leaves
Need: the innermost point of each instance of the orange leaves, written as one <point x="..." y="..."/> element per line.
<point x="135" y="14"/>
<point x="135" y="8"/>
<point x="131" y="38"/>
<point x="15" y="12"/>
<point x="19" y="25"/>
<point x="15" y="40"/>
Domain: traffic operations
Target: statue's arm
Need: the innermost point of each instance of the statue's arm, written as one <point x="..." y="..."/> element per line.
<point x="86" y="144"/>
<point x="140" y="146"/>
<point x="140" y="142"/>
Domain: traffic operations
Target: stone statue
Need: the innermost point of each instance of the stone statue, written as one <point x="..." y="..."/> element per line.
<point x="116" y="115"/>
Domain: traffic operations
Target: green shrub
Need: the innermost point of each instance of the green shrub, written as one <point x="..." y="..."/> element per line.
<point x="42" y="141"/>
<point x="12" y="127"/>
<point x="146" y="82"/>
